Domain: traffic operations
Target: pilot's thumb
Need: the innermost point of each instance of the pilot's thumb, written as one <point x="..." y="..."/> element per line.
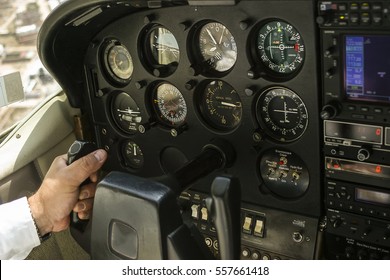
<point x="84" y="167"/>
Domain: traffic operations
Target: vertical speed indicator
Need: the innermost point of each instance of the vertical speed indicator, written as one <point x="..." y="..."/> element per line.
<point x="280" y="47"/>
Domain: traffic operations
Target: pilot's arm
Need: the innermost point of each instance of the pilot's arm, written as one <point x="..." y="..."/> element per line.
<point x="24" y="222"/>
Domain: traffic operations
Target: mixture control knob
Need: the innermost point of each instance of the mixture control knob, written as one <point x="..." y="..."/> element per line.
<point x="363" y="154"/>
<point x="330" y="110"/>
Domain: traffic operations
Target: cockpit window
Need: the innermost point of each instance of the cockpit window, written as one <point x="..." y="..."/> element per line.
<point x="19" y="26"/>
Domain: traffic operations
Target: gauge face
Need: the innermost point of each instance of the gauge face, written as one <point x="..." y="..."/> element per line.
<point x="220" y="106"/>
<point x="126" y="113"/>
<point x="217" y="47"/>
<point x="118" y="62"/>
<point x="163" y="46"/>
<point x="282" y="114"/>
<point x="133" y="155"/>
<point x="280" y="47"/>
<point x="169" y="104"/>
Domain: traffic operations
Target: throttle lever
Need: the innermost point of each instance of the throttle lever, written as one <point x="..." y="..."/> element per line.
<point x="76" y="151"/>
<point x="225" y="211"/>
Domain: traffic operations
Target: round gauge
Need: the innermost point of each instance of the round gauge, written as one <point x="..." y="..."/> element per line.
<point x="220" y="106"/>
<point x="162" y="46"/>
<point x="133" y="155"/>
<point x="118" y="62"/>
<point x="280" y="47"/>
<point x="217" y="47"/>
<point x="126" y="113"/>
<point x="169" y="104"/>
<point x="282" y="114"/>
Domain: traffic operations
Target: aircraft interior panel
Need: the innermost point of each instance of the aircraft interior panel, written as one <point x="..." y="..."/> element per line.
<point x="288" y="100"/>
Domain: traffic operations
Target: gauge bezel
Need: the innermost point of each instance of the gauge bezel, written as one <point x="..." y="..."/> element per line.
<point x="111" y="104"/>
<point x="156" y="111"/>
<point x="259" y="65"/>
<point x="265" y="125"/>
<point x="199" y="63"/>
<point x="155" y="68"/>
<point x="126" y="161"/>
<point x="110" y="74"/>
<point x="204" y="113"/>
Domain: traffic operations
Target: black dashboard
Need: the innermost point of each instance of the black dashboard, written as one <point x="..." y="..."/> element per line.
<point x="159" y="83"/>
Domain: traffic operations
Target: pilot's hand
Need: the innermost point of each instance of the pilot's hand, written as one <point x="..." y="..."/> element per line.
<point x="59" y="193"/>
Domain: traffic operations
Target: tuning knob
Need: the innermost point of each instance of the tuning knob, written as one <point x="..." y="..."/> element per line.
<point x="329" y="52"/>
<point x="330" y="110"/>
<point x="363" y="154"/>
<point x="330" y="72"/>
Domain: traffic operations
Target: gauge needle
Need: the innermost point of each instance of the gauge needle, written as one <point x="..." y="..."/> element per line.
<point x="230" y="104"/>
<point x="135" y="151"/>
<point x="220" y="39"/>
<point x="211" y="36"/>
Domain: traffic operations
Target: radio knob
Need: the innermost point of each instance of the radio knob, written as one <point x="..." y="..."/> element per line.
<point x="329" y="52"/>
<point x="330" y="110"/>
<point x="330" y="72"/>
<point x="363" y="154"/>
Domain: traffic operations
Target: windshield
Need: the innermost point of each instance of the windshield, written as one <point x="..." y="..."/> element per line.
<point x="19" y="26"/>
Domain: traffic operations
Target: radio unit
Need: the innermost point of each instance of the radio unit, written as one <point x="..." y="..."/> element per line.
<point x="355" y="75"/>
<point x="355" y="72"/>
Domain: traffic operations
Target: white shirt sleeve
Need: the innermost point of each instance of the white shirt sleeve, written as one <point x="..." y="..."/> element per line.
<point x="18" y="234"/>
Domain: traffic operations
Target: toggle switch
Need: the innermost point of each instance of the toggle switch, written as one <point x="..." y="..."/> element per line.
<point x="259" y="227"/>
<point x="247" y="226"/>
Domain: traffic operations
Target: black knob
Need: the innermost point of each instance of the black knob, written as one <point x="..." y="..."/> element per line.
<point x="363" y="154"/>
<point x="330" y="110"/>
<point x="330" y="72"/>
<point x="329" y="52"/>
<point x="336" y="223"/>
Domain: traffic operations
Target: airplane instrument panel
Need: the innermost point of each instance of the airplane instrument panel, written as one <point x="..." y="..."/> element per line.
<point x="299" y="90"/>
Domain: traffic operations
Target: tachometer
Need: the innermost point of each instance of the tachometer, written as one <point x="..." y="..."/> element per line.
<point x="169" y="104"/>
<point x="280" y="47"/>
<point x="282" y="114"/>
<point x="220" y="105"/>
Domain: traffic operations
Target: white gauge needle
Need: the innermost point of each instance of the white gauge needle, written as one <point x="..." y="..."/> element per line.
<point x="230" y="104"/>
<point x="220" y="39"/>
<point x="211" y="36"/>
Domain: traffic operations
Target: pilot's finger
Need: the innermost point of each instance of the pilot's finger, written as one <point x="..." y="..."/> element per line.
<point x="83" y="205"/>
<point x="84" y="215"/>
<point x="87" y="191"/>
<point x="82" y="168"/>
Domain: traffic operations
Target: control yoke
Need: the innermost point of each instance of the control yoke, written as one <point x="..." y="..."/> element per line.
<point x="139" y="218"/>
